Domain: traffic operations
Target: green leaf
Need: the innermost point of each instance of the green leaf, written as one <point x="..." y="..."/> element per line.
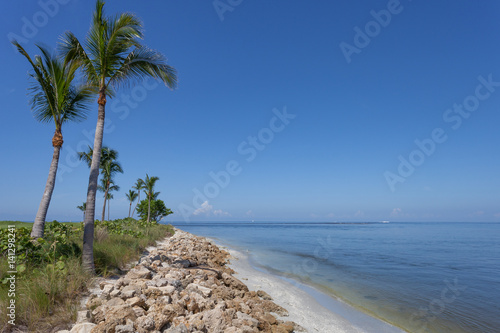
<point x="21" y="268"/>
<point x="60" y="265"/>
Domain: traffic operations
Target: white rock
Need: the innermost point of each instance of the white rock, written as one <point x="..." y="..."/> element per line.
<point x="140" y="272"/>
<point x="82" y="328"/>
<point x="82" y="316"/>
<point x="168" y="290"/>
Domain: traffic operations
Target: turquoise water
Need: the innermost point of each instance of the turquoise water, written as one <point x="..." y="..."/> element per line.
<point x="422" y="277"/>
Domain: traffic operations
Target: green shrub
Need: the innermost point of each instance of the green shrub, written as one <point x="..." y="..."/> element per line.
<point x="51" y="279"/>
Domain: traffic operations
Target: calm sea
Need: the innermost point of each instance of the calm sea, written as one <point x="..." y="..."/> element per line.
<point x="422" y="277"/>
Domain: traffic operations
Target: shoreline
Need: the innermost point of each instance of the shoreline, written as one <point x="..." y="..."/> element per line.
<point x="309" y="307"/>
<point x="183" y="284"/>
<point x="189" y="283"/>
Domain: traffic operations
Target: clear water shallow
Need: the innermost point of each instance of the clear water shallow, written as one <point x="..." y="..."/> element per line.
<point x="423" y="277"/>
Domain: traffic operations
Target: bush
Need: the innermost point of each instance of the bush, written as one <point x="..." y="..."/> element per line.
<point x="158" y="210"/>
<point x="53" y="247"/>
<point x="50" y="277"/>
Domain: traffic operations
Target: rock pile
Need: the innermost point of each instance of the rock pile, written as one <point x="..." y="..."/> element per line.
<point x="183" y="285"/>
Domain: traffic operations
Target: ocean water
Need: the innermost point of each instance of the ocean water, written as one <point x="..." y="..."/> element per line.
<point x="422" y="277"/>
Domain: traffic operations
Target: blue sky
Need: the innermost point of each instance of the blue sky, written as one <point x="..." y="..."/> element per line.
<point x="285" y="111"/>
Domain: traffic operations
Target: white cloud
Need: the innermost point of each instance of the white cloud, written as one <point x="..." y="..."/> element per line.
<point x="219" y="212"/>
<point x="396" y="212"/>
<point x="249" y="213"/>
<point x="330" y="215"/>
<point x="208" y="210"/>
<point x="204" y="209"/>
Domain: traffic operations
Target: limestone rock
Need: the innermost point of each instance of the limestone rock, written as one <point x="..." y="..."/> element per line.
<point x="144" y="324"/>
<point x="139" y="272"/>
<point x="178" y="329"/>
<point x="82" y="316"/>
<point x="262" y="294"/>
<point x="82" y="328"/>
<point x="183" y="286"/>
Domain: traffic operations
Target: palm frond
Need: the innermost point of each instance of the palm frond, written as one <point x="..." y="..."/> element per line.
<point x="74" y="52"/>
<point x="155" y="195"/>
<point x="124" y="32"/>
<point x="77" y="106"/>
<point x="53" y="95"/>
<point x="114" y="188"/>
<point x="143" y="62"/>
<point x="86" y="156"/>
<point x="131" y="195"/>
<point x="139" y="184"/>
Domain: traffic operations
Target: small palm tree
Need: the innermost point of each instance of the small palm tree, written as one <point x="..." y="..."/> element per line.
<point x="106" y="154"/>
<point x="109" y="197"/>
<point x="107" y="188"/>
<point x="149" y="184"/>
<point x="82" y="208"/>
<point x="54" y="99"/>
<point x="131" y="196"/>
<point x="139" y="185"/>
<point x="111" y="56"/>
<point x="110" y="168"/>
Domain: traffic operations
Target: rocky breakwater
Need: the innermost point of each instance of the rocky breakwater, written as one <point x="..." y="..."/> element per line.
<point x="183" y="285"/>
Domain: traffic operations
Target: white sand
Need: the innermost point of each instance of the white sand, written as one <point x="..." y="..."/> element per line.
<point x="313" y="310"/>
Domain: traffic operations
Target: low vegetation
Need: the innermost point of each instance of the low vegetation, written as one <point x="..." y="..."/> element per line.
<point x="50" y="275"/>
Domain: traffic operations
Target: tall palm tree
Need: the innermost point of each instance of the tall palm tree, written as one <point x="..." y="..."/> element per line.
<point x="54" y="99"/>
<point x="149" y="185"/>
<point x="139" y="185"/>
<point x="131" y="196"/>
<point x="107" y="188"/>
<point x="82" y="208"/>
<point x="113" y="56"/>
<point x="110" y="168"/>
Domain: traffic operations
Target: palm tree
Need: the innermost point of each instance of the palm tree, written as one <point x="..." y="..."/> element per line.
<point x="110" y="168"/>
<point x="106" y="154"/>
<point x="149" y="184"/>
<point x="107" y="188"/>
<point x="109" y="197"/>
<point x="113" y="56"/>
<point x="82" y="208"/>
<point x="139" y="185"/>
<point x="131" y="196"/>
<point x="54" y="99"/>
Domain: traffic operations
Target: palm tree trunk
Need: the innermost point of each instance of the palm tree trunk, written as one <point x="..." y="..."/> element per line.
<point x="129" y="208"/>
<point x="39" y="225"/>
<point x="138" y="200"/>
<point x="149" y="206"/>
<point x="104" y="206"/>
<point x="88" y="230"/>
<point x="108" y="209"/>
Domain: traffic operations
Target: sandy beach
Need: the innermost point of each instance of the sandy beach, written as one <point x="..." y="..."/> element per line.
<point x="308" y="307"/>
